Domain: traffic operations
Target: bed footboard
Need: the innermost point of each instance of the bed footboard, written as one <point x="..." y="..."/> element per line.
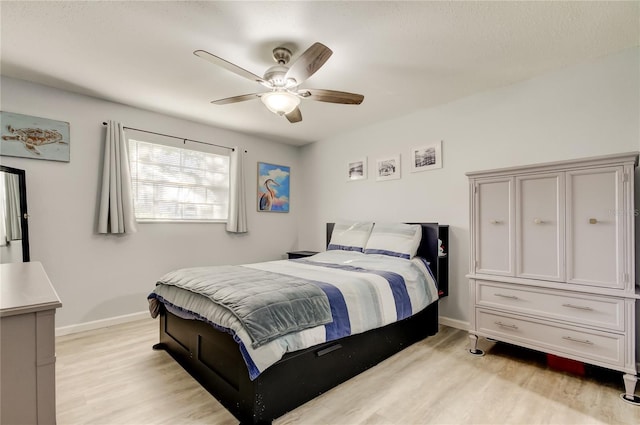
<point x="213" y="359"/>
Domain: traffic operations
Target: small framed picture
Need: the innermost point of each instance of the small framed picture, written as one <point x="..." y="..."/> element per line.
<point x="357" y="169"/>
<point x="427" y="157"/>
<point x="388" y="168"/>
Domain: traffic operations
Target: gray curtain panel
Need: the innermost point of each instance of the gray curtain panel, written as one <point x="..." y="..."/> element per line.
<point x="116" y="213"/>
<point x="237" y="221"/>
<point x="12" y="207"/>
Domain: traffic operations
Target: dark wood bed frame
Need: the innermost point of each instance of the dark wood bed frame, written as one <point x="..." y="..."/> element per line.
<point x="213" y="358"/>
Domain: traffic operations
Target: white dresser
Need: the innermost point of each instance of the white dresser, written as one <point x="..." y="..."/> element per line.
<point x="28" y="304"/>
<point x="552" y="260"/>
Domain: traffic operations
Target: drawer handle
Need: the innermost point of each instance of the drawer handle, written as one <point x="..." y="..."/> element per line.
<point x="496" y="221"/>
<point x="581" y="341"/>
<point x="593" y="221"/>
<point x="511" y="297"/>
<point x="328" y="350"/>
<point x="578" y="307"/>
<point x="538" y="221"/>
<point x="504" y="325"/>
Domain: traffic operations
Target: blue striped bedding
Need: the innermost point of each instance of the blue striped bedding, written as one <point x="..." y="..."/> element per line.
<point x="365" y="291"/>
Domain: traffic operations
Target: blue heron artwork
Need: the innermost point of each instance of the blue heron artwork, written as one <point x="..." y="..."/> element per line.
<point x="273" y="187"/>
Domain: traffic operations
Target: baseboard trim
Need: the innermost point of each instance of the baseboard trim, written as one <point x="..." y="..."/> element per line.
<point x="103" y="323"/>
<point x="454" y="323"/>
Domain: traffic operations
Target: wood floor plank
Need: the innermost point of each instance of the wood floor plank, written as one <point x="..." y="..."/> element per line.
<point x="112" y="376"/>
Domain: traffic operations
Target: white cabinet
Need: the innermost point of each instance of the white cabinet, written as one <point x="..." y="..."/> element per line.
<point x="552" y="261"/>
<point x="520" y="226"/>
<point x="494" y="219"/>
<point x="595" y="236"/>
<point x="540" y="226"/>
<point x="28" y="304"/>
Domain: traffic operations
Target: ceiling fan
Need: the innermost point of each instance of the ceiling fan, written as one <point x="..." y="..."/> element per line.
<point x="283" y="81"/>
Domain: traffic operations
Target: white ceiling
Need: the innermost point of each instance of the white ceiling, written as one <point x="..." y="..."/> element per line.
<point x="402" y="56"/>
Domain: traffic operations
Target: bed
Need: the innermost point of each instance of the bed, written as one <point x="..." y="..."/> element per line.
<point x="218" y="360"/>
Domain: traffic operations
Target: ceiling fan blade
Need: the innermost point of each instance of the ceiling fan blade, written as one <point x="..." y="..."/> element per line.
<point x="332" y="96"/>
<point x="309" y="62"/>
<point x="236" y="99"/>
<point x="229" y="66"/>
<point x="294" y="116"/>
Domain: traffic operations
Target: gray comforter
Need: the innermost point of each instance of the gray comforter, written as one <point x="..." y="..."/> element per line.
<point x="269" y="305"/>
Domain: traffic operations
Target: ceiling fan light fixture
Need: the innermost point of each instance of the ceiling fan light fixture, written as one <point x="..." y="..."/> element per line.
<point x="280" y="102"/>
<point x="282" y="81"/>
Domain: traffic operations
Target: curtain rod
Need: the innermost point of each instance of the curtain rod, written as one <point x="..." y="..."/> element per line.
<point x="176" y="137"/>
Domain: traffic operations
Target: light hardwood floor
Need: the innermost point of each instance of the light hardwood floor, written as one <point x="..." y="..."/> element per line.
<point x="112" y="376"/>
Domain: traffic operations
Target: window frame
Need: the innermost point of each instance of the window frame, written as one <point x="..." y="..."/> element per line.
<point x="144" y="137"/>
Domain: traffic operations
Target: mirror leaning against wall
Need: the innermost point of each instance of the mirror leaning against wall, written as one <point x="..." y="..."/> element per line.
<point x="14" y="229"/>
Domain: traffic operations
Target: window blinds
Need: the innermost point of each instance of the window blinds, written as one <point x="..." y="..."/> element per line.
<point x="176" y="184"/>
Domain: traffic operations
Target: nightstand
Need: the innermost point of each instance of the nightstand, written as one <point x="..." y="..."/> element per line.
<point x="300" y="254"/>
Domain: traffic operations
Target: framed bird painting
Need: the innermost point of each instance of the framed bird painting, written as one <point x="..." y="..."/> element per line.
<point x="273" y="187"/>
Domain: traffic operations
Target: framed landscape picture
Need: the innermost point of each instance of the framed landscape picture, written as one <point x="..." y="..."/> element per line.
<point x="388" y="168"/>
<point x="34" y="137"/>
<point x="357" y="169"/>
<point x="273" y="187"/>
<point x="427" y="157"/>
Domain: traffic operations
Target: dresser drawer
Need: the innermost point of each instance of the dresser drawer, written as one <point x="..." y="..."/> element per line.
<point x="600" y="347"/>
<point x="571" y="307"/>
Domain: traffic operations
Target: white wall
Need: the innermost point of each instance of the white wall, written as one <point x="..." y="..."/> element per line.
<point x="99" y="276"/>
<point x="591" y="109"/>
<point x="586" y="110"/>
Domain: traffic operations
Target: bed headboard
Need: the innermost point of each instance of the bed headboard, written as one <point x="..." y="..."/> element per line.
<point x="428" y="248"/>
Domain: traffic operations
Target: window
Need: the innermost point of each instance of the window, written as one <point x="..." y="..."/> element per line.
<point x="177" y="184"/>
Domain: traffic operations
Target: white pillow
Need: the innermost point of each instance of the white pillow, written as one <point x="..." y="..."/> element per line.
<point x="395" y="240"/>
<point x="350" y="236"/>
